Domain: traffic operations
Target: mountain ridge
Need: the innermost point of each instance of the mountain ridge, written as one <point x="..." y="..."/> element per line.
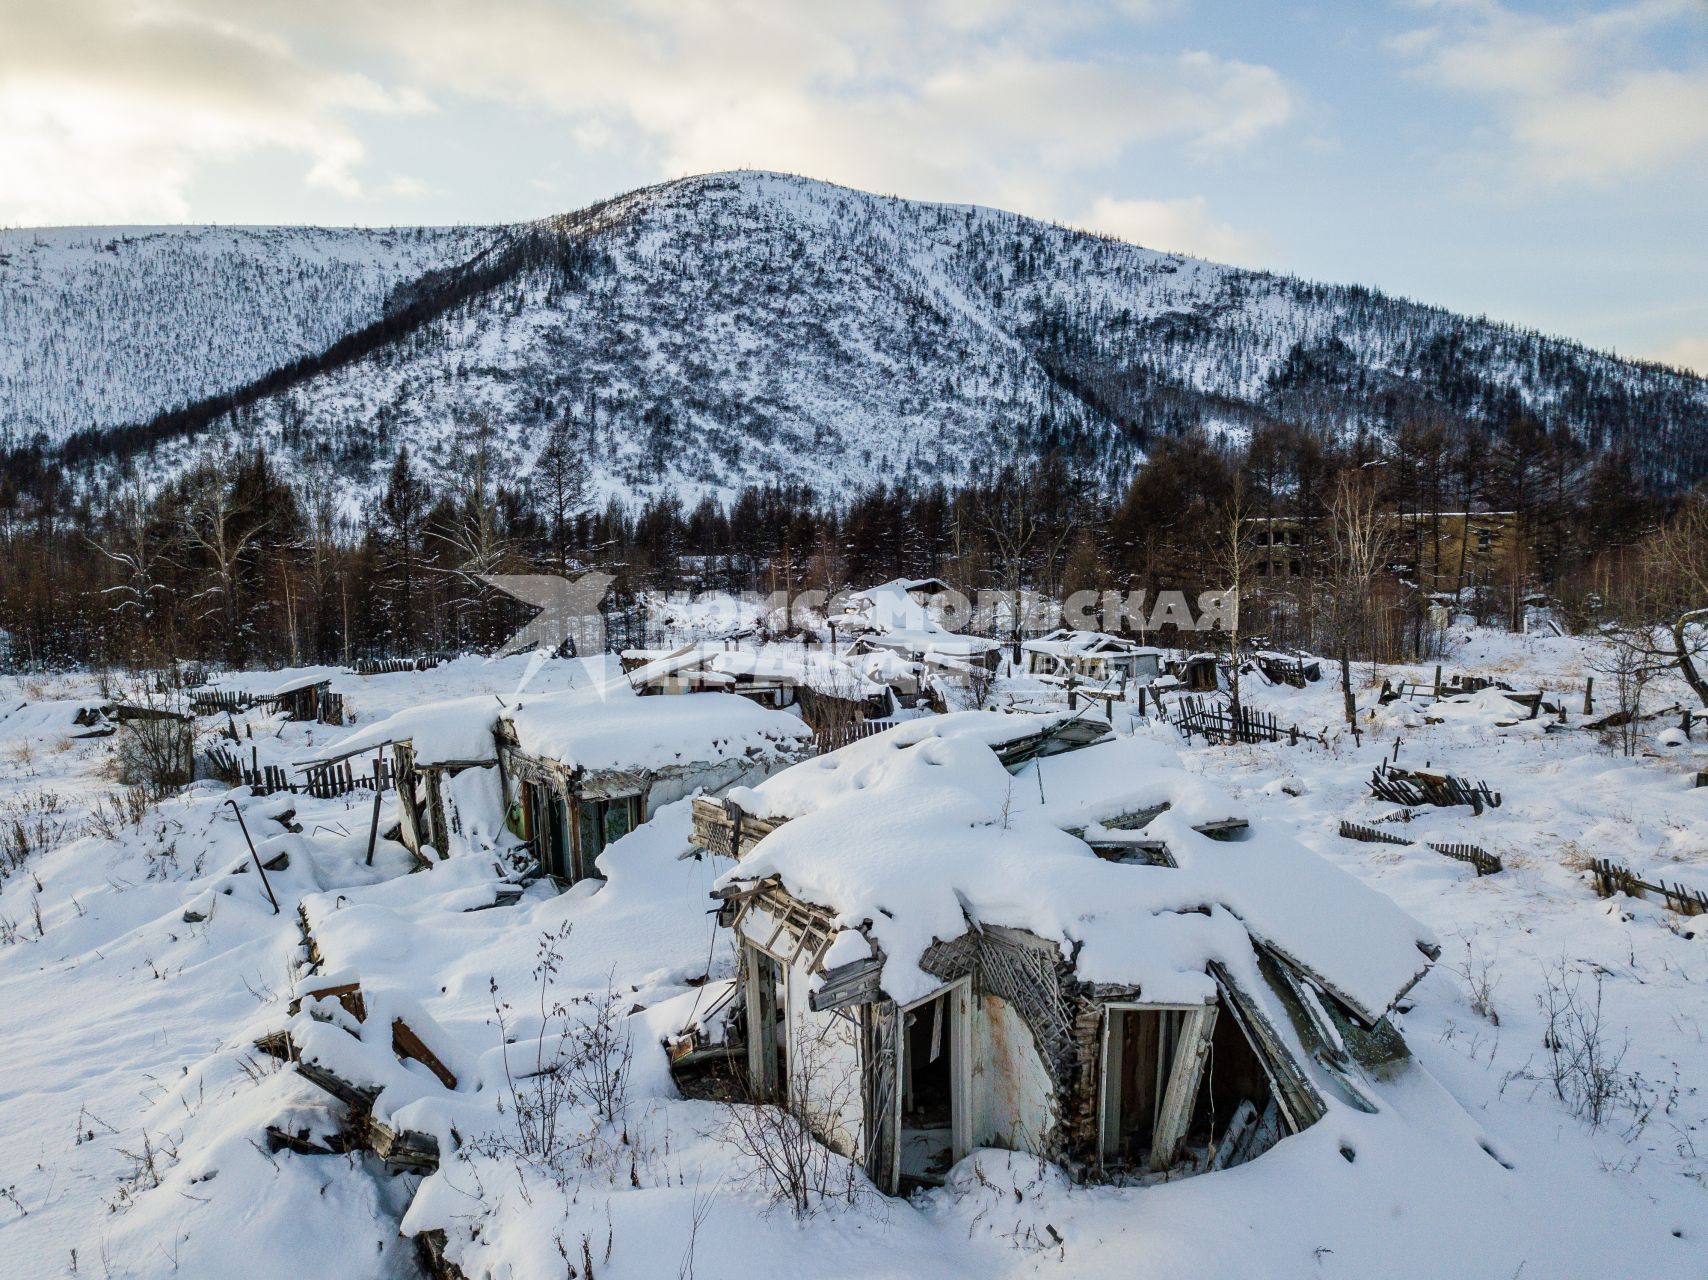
<point x="729" y="328"/>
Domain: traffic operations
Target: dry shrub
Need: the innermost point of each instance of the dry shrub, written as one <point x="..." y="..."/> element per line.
<point x="782" y="1144"/>
<point x="155" y="754"/>
<point x="579" y="1061"/>
<point x="117" y="810"/>
<point x="31" y="824"/>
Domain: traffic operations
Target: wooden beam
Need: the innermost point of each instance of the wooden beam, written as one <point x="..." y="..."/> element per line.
<point x="406" y="1044"/>
<point x="1181" y="1094"/>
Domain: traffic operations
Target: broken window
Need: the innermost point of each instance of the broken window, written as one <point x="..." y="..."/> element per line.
<point x="604" y="822"/>
<point x="548" y="825"/>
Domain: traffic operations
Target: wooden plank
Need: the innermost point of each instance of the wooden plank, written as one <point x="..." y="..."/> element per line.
<point x="1183" y="1080"/>
<point x="847" y="985"/>
<point x="406" y="1044"/>
<point x="1301" y="1104"/>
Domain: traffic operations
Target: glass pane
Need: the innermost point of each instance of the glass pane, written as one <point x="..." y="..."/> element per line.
<point x="591" y="830"/>
<point x="619" y="818"/>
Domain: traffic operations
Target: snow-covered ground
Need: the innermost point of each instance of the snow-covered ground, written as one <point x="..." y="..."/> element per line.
<point x="133" y="1104"/>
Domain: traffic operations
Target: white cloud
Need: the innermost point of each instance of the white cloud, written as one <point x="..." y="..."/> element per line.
<point x="1686" y="353"/>
<point x="1583" y="98"/>
<point x="959" y="99"/>
<point x="108" y="110"/>
<point x="1637" y="124"/>
<point x="1179" y="226"/>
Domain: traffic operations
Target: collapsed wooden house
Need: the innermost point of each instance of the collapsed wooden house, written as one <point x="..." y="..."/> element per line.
<point x="308" y="698"/>
<point x="714" y="668"/>
<point x="957" y="934"/>
<point x="797" y="681"/>
<point x="903" y="617"/>
<point x="1194" y="672"/>
<point x="580" y="769"/>
<point x="1295" y="669"/>
<point x="1092" y="655"/>
<point x="564" y="774"/>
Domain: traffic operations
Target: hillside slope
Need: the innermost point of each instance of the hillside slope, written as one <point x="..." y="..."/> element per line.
<point x="101" y="326"/>
<point x="749" y="326"/>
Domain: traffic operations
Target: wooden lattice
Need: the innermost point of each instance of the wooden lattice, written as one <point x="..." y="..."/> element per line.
<point x="1029" y="977"/>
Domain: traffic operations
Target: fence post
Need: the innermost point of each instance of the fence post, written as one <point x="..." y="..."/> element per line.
<point x="374" y="823"/>
<point x="1588" y="689"/>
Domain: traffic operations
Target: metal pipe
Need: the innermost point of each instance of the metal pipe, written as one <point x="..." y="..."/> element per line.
<point x="258" y="867"/>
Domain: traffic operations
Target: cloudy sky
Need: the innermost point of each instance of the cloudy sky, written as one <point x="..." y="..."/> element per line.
<point x="1541" y="161"/>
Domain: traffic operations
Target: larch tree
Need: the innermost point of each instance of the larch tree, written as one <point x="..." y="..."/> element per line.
<point x="399" y="522"/>
<point x="560" y="476"/>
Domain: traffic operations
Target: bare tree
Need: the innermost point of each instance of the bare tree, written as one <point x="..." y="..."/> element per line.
<point x="218" y="525"/>
<point x="1233" y="557"/>
<point x="1361" y="542"/>
<point x="1628" y="659"/>
<point x="1022" y="539"/>
<point x="1678" y="574"/>
<point x="136" y="548"/>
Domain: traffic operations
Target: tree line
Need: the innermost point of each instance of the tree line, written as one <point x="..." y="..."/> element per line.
<point x="241" y="560"/>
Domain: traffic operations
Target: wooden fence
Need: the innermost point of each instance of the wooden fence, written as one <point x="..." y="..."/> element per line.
<point x="1487" y="864"/>
<point x="1222" y="725"/>
<point x="1369" y="835"/>
<point x="210" y="702"/>
<point x="328" y="781"/>
<point x="1611" y="878"/>
<point x="324" y="782"/>
<point x="390" y="666"/>
<point x="833" y="737"/>
<point x="328" y="706"/>
<point x="1413" y="787"/>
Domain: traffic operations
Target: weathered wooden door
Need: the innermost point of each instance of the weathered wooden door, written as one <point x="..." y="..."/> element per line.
<point x="881" y="1024"/>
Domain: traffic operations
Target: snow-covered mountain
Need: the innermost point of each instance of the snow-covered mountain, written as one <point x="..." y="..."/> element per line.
<point x="749" y="326"/>
<point x="101" y="326"/>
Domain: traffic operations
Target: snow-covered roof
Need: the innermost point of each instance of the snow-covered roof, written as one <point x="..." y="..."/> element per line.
<point x="299" y="682"/>
<point x="1066" y="643"/>
<point x="942" y="643"/>
<point x="893" y="612"/>
<point x="613" y="727"/>
<point x="819" y="671"/>
<point x="455" y="731"/>
<point x="920" y="833"/>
